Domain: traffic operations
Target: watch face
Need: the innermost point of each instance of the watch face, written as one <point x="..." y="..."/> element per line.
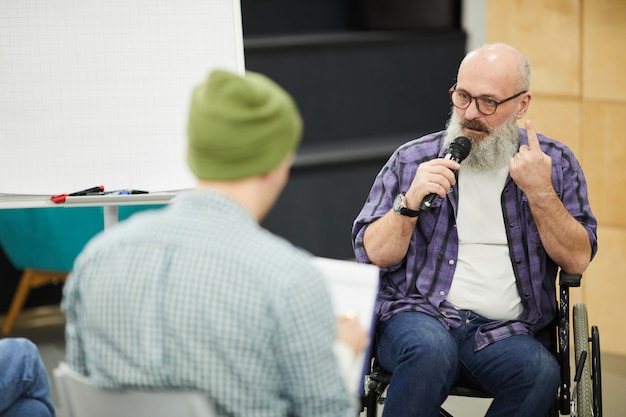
<point x="397" y="203"/>
<point x="400" y="208"/>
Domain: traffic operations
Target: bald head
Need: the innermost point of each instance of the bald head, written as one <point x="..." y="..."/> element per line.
<point x="496" y="64"/>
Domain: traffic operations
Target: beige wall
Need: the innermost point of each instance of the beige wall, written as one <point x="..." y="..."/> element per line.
<point x="577" y="50"/>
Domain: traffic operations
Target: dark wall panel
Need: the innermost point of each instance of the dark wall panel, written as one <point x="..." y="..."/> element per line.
<point x="318" y="206"/>
<point x="369" y="86"/>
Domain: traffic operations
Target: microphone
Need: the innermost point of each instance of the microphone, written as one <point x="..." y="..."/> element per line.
<point x="457" y="152"/>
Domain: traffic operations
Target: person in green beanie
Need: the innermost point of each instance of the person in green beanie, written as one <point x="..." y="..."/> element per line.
<point x="197" y="295"/>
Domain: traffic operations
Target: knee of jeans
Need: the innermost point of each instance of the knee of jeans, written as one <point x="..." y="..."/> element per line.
<point x="23" y="357"/>
<point x="19" y="346"/>
<point x="543" y="369"/>
<point x="438" y="351"/>
<point x="28" y="407"/>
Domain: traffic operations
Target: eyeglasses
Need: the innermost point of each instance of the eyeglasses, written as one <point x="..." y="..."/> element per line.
<point x="486" y="105"/>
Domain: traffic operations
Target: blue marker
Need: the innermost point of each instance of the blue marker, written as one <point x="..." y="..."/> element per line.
<point x="125" y="192"/>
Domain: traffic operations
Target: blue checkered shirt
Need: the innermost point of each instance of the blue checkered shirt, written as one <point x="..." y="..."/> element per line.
<point x="197" y="296"/>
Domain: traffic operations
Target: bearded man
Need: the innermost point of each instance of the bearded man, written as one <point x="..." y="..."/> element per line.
<point x="468" y="285"/>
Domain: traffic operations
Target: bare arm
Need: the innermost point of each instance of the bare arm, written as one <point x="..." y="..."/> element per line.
<point x="564" y="239"/>
<point x="562" y="236"/>
<point x="387" y="239"/>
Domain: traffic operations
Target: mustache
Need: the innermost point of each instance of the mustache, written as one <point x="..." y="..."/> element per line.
<point x="474" y="125"/>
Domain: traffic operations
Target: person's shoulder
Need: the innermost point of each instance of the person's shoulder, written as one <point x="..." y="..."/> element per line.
<point x="136" y="227"/>
<point x="274" y="247"/>
<point x="430" y="141"/>
<point x="281" y="263"/>
<point x="424" y="147"/>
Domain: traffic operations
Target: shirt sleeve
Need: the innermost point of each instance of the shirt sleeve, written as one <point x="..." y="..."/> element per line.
<point x="395" y="176"/>
<point x="70" y="305"/>
<point x="378" y="203"/>
<point x="575" y="197"/>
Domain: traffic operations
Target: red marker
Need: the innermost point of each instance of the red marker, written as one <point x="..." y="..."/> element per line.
<point x="61" y="197"/>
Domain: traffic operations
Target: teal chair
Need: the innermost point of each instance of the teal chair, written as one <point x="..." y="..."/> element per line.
<point x="44" y="242"/>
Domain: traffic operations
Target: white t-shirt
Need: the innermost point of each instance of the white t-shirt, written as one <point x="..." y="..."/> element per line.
<point x="483" y="281"/>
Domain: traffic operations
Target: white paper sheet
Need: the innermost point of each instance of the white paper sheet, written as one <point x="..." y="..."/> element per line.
<point x="353" y="288"/>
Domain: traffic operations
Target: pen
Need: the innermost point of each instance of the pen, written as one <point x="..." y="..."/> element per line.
<point x="93" y="190"/>
<point x="124" y="192"/>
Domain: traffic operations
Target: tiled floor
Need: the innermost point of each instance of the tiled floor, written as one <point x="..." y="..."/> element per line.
<point x="44" y="326"/>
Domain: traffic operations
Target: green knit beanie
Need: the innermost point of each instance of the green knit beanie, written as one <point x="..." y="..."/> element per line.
<point x="240" y="126"/>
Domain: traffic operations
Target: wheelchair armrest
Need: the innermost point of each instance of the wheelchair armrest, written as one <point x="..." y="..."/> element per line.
<point x="569" y="280"/>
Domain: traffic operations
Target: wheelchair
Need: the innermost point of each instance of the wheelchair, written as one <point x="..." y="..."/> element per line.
<point x="582" y="399"/>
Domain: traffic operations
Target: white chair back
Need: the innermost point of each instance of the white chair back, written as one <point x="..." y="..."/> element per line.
<point x="78" y="398"/>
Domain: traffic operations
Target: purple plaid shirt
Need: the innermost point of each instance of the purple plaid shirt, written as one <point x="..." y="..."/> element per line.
<point x="422" y="280"/>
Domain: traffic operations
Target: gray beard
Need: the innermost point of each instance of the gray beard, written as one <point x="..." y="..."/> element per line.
<point x="493" y="151"/>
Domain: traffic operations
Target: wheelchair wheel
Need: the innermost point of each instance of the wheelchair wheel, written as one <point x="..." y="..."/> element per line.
<point x="596" y="375"/>
<point x="581" y="343"/>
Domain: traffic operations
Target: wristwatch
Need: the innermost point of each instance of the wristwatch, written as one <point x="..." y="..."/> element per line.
<point x="400" y="207"/>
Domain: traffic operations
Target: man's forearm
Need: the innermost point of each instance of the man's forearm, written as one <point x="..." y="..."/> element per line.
<point x="386" y="240"/>
<point x="565" y="240"/>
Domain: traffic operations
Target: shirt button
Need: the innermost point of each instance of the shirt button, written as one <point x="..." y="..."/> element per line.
<point x="442" y="293"/>
<point x="511" y="225"/>
<point x="451" y="261"/>
<point x="443" y="312"/>
<point x="518" y="261"/>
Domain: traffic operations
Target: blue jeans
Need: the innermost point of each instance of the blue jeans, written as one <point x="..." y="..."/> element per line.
<point x="426" y="359"/>
<point x="24" y="384"/>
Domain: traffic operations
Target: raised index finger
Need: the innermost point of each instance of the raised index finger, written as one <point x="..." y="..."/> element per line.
<point x="533" y="141"/>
